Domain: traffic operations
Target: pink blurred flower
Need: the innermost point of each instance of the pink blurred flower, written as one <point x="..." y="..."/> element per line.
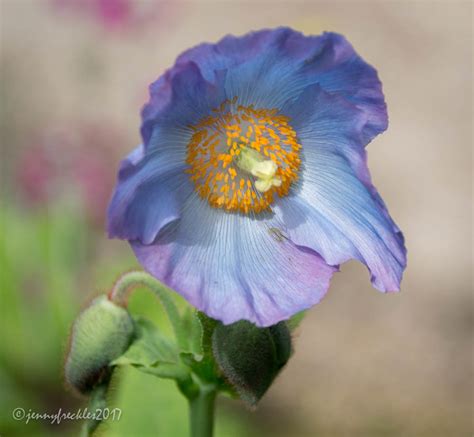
<point x="113" y="14"/>
<point x="61" y="164"/>
<point x="34" y="170"/>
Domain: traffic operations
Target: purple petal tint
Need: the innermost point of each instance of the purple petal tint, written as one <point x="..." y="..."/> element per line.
<point x="234" y="268"/>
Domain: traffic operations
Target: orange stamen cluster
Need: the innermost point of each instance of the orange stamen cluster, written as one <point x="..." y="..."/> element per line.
<point x="219" y="139"/>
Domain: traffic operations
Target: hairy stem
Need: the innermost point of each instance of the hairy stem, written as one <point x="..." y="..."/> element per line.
<point x="130" y="280"/>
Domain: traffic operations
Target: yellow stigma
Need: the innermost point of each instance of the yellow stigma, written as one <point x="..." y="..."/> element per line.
<point x="241" y="157"/>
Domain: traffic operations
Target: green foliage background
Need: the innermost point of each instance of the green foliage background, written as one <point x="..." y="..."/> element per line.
<point x="40" y="299"/>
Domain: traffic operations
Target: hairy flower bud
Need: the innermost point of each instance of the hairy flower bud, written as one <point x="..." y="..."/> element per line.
<point x="250" y="357"/>
<point x="101" y="333"/>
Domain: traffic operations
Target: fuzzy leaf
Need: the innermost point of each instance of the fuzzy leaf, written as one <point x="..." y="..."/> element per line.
<point x="149" y="348"/>
<point x="192" y="327"/>
<point x="295" y="320"/>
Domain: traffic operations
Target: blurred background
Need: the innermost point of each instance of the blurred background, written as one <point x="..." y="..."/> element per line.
<point x="74" y="75"/>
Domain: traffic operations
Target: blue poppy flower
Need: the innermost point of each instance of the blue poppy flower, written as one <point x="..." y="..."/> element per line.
<point x="251" y="185"/>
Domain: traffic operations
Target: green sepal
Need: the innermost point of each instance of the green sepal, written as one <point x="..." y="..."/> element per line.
<point x="208" y="326"/>
<point x="281" y="337"/>
<point x="249" y="357"/>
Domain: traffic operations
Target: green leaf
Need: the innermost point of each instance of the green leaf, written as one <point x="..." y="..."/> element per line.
<point x="295" y="320"/>
<point x="250" y="357"/>
<point x="149" y="348"/>
<point x="193" y="328"/>
<point x="166" y="370"/>
<point x="204" y="364"/>
<point x="153" y="353"/>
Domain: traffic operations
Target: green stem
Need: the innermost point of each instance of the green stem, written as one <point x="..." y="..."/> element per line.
<point x="130" y="280"/>
<point x="97" y="401"/>
<point x="201" y="412"/>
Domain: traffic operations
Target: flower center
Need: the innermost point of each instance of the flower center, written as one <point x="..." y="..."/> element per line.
<point x="241" y="157"/>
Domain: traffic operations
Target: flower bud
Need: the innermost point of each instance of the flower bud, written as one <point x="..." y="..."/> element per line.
<point x="250" y="357"/>
<point x="101" y="333"/>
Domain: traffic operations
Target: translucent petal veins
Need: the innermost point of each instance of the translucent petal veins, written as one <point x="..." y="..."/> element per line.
<point x="213" y="157"/>
<point x="218" y="205"/>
